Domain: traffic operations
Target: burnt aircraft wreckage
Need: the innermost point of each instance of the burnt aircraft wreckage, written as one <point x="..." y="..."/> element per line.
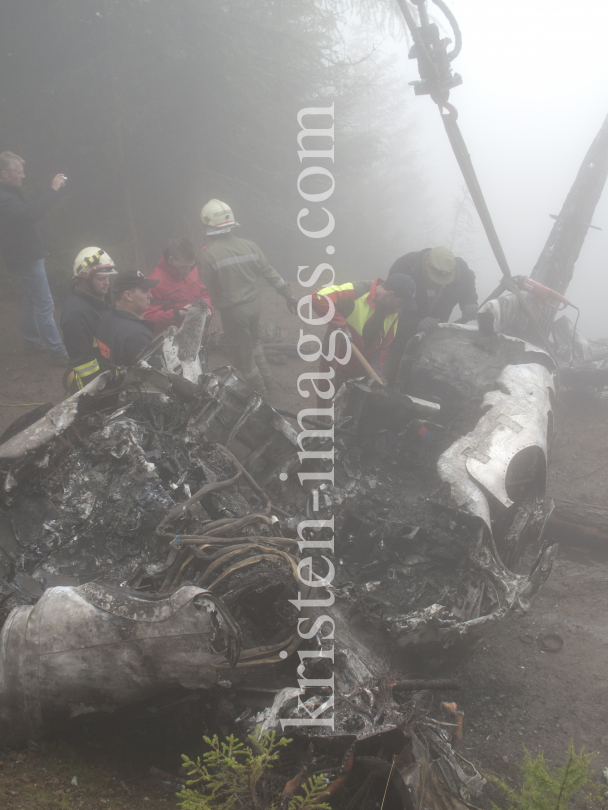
<point x="157" y="529"/>
<point x="149" y="540"/>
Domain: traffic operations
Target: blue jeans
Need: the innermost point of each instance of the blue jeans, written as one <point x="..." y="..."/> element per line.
<point x="37" y="322"/>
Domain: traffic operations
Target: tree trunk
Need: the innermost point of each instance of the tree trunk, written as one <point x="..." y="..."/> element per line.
<point x="555" y="265"/>
<point x="579" y="518"/>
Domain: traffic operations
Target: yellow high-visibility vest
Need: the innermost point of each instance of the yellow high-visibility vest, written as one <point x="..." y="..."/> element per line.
<point x="362" y="311"/>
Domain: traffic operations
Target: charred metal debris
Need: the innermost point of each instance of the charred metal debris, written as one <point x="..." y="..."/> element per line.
<point x="148" y="542"/>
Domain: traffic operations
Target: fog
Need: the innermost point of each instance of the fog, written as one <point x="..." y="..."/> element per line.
<point x="153" y="109"/>
<point x="534" y="95"/>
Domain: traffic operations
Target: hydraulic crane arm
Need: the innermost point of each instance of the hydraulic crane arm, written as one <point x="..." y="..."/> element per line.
<point x="436" y="80"/>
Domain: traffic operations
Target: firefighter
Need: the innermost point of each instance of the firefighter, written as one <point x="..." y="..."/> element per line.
<point x="122" y="334"/>
<point x="368" y="313"/>
<point x="82" y="310"/>
<point x="178" y="288"/>
<point x="232" y="269"/>
<point x="442" y="281"/>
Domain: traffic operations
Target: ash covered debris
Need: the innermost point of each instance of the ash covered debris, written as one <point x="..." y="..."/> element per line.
<point x="93" y="495"/>
<point x="85" y="503"/>
<point x="97" y="648"/>
<point x="395" y="753"/>
<point x="583" y="363"/>
<point x="148" y="485"/>
<point x="447" y="502"/>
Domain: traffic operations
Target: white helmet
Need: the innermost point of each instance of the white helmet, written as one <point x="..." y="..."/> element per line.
<point x="93" y="260"/>
<point x="217" y="217"/>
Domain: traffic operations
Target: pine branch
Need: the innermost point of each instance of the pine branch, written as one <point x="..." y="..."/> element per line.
<point x="565" y="779"/>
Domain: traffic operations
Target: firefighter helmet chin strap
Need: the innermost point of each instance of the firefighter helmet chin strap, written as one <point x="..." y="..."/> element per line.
<point x="436" y="80"/>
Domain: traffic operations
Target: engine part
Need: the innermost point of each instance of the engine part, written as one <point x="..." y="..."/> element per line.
<point x="97" y="648"/>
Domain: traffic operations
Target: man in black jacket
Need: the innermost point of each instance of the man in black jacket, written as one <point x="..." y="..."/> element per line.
<point x="442" y="281"/>
<point x="82" y="310"/>
<point x="122" y="334"/>
<point x="23" y="252"/>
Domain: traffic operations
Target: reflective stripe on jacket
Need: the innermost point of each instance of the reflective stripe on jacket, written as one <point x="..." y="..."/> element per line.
<point x="79" y="319"/>
<point x="86" y="369"/>
<point x="76" y="378"/>
<point x="354" y="302"/>
<point x="232" y="269"/>
<point x="80" y="376"/>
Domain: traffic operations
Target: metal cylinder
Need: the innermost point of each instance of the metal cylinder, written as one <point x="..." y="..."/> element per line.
<point x="97" y="648"/>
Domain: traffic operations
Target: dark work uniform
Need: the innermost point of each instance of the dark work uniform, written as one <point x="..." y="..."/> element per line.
<point x="432" y="301"/>
<point x="23" y="252"/>
<point x="121" y="337"/>
<point x="79" y="319"/>
<point x="20" y="237"/>
<point x="232" y="268"/>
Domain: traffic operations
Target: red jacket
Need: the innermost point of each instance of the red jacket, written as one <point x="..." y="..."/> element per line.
<point x="175" y="294"/>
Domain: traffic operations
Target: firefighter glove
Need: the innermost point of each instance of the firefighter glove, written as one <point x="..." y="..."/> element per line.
<point x="292" y="304"/>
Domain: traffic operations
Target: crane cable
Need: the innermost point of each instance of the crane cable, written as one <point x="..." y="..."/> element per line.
<point x="436" y="80"/>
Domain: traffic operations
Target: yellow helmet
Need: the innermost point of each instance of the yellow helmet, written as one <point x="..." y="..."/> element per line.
<point x="92" y="260"/>
<point x="217" y="216"/>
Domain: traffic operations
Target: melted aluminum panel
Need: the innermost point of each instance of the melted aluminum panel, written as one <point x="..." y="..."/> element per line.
<point x="519" y="416"/>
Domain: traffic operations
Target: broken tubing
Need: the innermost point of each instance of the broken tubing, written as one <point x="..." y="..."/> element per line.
<point x="186" y="631"/>
<point x="516" y="405"/>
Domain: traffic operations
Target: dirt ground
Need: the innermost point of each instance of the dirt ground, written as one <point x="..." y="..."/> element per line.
<point x="517" y="693"/>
